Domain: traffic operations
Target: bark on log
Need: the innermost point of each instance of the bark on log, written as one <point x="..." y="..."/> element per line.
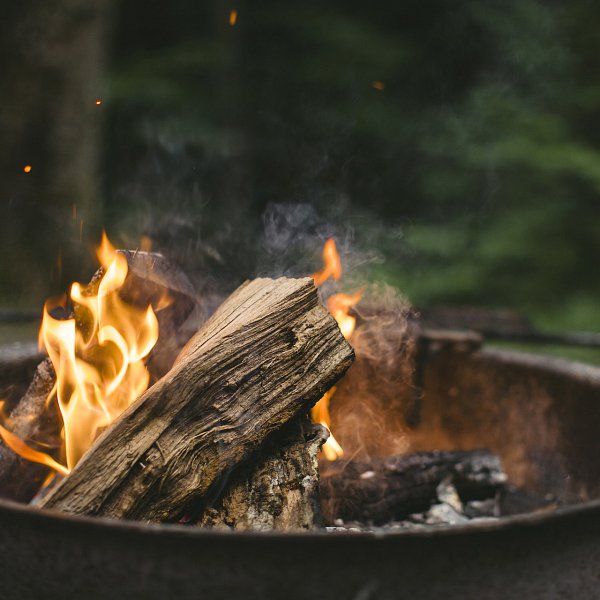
<point x="282" y="493"/>
<point x="267" y="354"/>
<point x="32" y="419"/>
<point x="387" y="489"/>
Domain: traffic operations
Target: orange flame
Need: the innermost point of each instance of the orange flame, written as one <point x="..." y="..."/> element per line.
<point x="339" y="306"/>
<point x="17" y="445"/>
<point x="332" y="265"/>
<point x="233" y="15"/>
<point x="98" y="357"/>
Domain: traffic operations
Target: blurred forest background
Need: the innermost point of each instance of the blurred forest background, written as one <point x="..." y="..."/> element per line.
<point x="452" y="145"/>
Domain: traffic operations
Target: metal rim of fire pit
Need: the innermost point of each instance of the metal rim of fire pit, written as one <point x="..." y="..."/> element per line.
<point x="545" y="555"/>
<point x="534" y="362"/>
<point x="586" y="509"/>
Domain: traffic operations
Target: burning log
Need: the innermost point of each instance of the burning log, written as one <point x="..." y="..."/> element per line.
<point x="282" y="493"/>
<point x="32" y="418"/>
<point x="387" y="489"/>
<point x="268" y="353"/>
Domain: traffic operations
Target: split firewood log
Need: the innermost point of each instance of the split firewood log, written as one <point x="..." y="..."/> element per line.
<point x="387" y="489"/>
<point x="34" y="418"/>
<point x="268" y="354"/>
<point x="280" y="493"/>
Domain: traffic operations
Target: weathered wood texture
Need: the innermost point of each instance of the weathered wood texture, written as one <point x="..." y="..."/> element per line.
<point x="269" y="352"/>
<point x="282" y="492"/>
<point x="32" y="419"/>
<point x="388" y="489"/>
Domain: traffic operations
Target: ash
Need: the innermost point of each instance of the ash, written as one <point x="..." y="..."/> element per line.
<point x="447" y="510"/>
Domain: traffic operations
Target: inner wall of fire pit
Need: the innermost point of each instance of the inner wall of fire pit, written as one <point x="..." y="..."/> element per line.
<point x="540" y="415"/>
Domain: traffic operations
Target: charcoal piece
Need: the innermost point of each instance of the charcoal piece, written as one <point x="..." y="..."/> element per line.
<point x="389" y="489"/>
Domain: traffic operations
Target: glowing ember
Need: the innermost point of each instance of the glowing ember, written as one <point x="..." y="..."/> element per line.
<point x="27" y="168"/>
<point x="98" y="102"/>
<point x="339" y="306"/>
<point x="98" y="357"/>
<point x="233" y="15"/>
<point x="378" y="85"/>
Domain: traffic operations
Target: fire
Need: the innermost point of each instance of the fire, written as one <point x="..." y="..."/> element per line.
<point x="233" y="15"/>
<point x="339" y="306"/>
<point x="16" y="444"/>
<point x="332" y="265"/>
<point x="98" y="357"/>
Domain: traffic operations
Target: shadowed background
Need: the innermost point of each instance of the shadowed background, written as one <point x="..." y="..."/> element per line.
<point x="450" y="146"/>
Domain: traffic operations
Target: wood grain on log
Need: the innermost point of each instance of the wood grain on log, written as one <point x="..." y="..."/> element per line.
<point x="282" y="492"/>
<point x="269" y="353"/>
<point x="388" y="489"/>
<point x="32" y="419"/>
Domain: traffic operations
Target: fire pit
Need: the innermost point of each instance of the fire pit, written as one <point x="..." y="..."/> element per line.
<point x="539" y="414"/>
<point x="461" y="469"/>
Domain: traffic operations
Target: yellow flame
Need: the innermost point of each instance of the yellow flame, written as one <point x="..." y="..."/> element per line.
<point x="339" y="306"/>
<point x="98" y="357"/>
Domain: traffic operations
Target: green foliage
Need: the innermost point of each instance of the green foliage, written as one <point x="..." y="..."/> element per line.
<point x="482" y="146"/>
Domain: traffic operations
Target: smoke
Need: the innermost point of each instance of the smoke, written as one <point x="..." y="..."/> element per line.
<point x="369" y="405"/>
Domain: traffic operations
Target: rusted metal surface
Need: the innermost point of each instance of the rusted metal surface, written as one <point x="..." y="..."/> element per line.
<point x="545" y="557"/>
<point x="542" y="416"/>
